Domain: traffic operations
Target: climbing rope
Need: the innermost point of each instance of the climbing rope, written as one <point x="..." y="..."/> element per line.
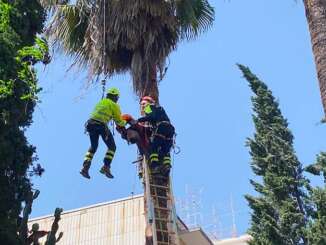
<point x="104" y="37"/>
<point x="103" y="82"/>
<point x="133" y="187"/>
<point x="176" y="148"/>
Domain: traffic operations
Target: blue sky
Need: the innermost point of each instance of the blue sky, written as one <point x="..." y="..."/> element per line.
<point x="207" y="100"/>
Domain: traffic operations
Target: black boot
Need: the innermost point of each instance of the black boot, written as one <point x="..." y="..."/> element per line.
<point x="84" y="170"/>
<point x="154" y="167"/>
<point x="140" y="169"/>
<point x="106" y="171"/>
<point x="165" y="170"/>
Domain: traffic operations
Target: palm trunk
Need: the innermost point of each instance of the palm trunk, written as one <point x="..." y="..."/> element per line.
<point x="316" y="17"/>
<point x="144" y="75"/>
<point x="152" y="85"/>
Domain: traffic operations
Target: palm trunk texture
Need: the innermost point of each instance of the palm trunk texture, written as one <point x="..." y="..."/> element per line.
<point x="153" y="88"/>
<point x="316" y="17"/>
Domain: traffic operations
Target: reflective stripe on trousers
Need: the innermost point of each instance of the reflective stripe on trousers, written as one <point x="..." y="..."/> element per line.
<point x="153" y="157"/>
<point x="109" y="154"/>
<point x="89" y="156"/>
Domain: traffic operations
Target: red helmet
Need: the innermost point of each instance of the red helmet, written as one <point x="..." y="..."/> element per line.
<point x="147" y="100"/>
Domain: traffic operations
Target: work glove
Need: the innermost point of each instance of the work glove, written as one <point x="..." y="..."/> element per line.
<point x="122" y="130"/>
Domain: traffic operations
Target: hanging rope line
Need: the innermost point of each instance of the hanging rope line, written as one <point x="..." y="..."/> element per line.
<point x="133" y="187"/>
<point x="104" y="37"/>
<point x="103" y="82"/>
<point x="175" y="147"/>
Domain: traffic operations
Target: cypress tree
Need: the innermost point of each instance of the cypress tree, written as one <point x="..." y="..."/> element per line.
<point x="20" y="21"/>
<point x="278" y="211"/>
<point x="316" y="229"/>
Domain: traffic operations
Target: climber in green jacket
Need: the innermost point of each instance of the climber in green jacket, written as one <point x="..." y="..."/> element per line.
<point x="105" y="111"/>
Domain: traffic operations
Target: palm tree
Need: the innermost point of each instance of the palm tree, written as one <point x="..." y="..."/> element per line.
<point x="110" y="36"/>
<point x="316" y="17"/>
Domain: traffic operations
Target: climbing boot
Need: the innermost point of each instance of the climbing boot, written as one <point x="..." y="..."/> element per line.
<point x="140" y="174"/>
<point x="140" y="170"/>
<point x="165" y="170"/>
<point x="156" y="170"/>
<point x="106" y="171"/>
<point x="84" y="170"/>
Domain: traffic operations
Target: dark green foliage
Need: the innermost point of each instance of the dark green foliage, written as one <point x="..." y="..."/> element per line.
<point x="278" y="213"/>
<point x="317" y="226"/>
<point x="26" y="18"/>
<point x="319" y="168"/>
<point x="20" y="21"/>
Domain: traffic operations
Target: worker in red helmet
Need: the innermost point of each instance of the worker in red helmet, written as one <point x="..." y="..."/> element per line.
<point x="162" y="137"/>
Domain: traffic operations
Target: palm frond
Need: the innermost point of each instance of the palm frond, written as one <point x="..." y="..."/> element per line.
<point x="67" y="28"/>
<point x="51" y="5"/>
<point x="195" y="17"/>
<point x="110" y="36"/>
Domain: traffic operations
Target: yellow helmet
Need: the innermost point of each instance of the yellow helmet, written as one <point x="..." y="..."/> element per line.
<point x="113" y="91"/>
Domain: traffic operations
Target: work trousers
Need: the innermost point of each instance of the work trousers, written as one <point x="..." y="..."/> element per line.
<point x="96" y="129"/>
<point x="161" y="144"/>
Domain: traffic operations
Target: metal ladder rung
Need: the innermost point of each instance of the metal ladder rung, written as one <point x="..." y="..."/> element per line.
<point x="166" y="220"/>
<point x="160" y="177"/>
<point x="161" y="208"/>
<point x="159" y="186"/>
<point x="162" y="197"/>
<point x="166" y="231"/>
<point x="162" y="231"/>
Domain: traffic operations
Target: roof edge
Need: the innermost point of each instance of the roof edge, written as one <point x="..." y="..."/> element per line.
<point x="201" y="231"/>
<point x="90" y="206"/>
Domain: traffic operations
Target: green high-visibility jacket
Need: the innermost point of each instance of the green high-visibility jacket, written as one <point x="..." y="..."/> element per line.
<point x="106" y="110"/>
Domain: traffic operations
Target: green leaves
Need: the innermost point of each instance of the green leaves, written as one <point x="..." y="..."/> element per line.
<point x="319" y="167"/>
<point x="19" y="22"/>
<point x="283" y="212"/>
<point x="6" y="88"/>
<point x="316" y="230"/>
<point x="4" y="15"/>
<point x="27" y="57"/>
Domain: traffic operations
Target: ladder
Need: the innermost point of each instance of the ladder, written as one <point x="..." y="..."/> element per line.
<point x="160" y="210"/>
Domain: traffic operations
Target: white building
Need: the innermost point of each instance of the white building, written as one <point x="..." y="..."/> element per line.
<point x="119" y="222"/>
<point x="242" y="240"/>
